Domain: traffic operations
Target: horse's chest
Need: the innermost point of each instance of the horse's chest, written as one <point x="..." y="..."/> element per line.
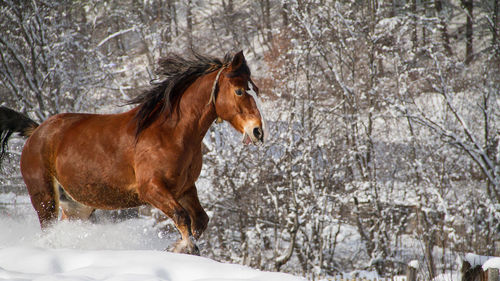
<point x="179" y="167"/>
<point x="192" y="170"/>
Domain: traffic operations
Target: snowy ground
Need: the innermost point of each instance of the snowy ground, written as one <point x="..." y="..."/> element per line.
<point x="30" y="263"/>
<point x="128" y="250"/>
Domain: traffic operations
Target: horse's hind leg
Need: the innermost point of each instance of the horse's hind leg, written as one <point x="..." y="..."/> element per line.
<point x="40" y="182"/>
<point x="44" y="195"/>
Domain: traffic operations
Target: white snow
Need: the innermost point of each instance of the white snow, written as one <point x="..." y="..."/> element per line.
<point x="475" y="260"/>
<point x="492" y="263"/>
<point x="20" y="227"/>
<point x="30" y="263"/>
<point x="414" y="264"/>
<point x="132" y="249"/>
<point x="447" y="277"/>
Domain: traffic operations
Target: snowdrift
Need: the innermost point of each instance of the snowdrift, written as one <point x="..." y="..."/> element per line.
<point x="126" y="250"/>
<point x="31" y="263"/>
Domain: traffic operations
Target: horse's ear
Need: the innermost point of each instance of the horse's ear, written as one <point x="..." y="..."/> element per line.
<point x="238" y="61"/>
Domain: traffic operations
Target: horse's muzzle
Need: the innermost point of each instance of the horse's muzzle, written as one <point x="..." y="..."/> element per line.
<point x="254" y="136"/>
<point x="258" y="134"/>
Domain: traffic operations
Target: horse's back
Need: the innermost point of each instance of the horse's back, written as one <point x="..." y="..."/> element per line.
<point x="64" y="130"/>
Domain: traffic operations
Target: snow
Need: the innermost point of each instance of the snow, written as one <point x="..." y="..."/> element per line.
<point x="448" y="277"/>
<point x="364" y="275"/>
<point x="20" y="227"/>
<point x="475" y="260"/>
<point x="414" y="264"/>
<point x="492" y="263"/>
<point x="69" y="264"/>
<point x="132" y="249"/>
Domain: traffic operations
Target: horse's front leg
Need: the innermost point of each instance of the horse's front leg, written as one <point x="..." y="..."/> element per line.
<point x="199" y="219"/>
<point x="157" y="194"/>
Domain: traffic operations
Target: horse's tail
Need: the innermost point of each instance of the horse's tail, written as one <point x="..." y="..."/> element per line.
<point x="13" y="122"/>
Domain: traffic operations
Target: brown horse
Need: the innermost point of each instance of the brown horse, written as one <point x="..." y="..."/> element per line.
<point x="150" y="154"/>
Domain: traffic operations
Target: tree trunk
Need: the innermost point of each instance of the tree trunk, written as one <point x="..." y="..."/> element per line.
<point x="173" y="16"/>
<point x="267" y="20"/>
<point x="443" y="27"/>
<point x="284" y="15"/>
<point x="189" y="23"/>
<point x="494" y="30"/>
<point x="468" y="6"/>
<point x="414" y="37"/>
<point x="429" y="246"/>
<point x="230" y="18"/>
<point x="167" y="33"/>
<point x="411" y="273"/>
<point x="424" y="32"/>
<point x="392" y="10"/>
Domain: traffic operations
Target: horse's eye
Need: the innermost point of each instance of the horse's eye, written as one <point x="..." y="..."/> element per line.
<point x="239" y="92"/>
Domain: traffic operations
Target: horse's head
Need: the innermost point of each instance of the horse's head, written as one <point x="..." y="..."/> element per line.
<point x="238" y="101"/>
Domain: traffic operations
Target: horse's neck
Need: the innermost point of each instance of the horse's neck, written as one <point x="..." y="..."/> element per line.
<point x="196" y="113"/>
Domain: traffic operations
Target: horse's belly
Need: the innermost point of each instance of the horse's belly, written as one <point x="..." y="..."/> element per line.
<point x="101" y="196"/>
<point x="100" y="187"/>
<point x="103" y="182"/>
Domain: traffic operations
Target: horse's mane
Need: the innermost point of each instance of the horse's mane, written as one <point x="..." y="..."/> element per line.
<point x="179" y="73"/>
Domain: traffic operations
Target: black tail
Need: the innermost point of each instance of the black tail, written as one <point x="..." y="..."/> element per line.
<point x="13" y="122"/>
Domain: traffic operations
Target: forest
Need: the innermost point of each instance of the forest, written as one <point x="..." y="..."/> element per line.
<point x="384" y="119"/>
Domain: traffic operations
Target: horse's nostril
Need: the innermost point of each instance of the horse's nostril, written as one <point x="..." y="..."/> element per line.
<point x="257" y="132"/>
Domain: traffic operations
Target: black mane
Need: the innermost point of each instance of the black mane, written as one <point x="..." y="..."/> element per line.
<point x="179" y="73"/>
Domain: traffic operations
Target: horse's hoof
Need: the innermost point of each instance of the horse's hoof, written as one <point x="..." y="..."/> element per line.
<point x="186" y="247"/>
<point x="195" y="251"/>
